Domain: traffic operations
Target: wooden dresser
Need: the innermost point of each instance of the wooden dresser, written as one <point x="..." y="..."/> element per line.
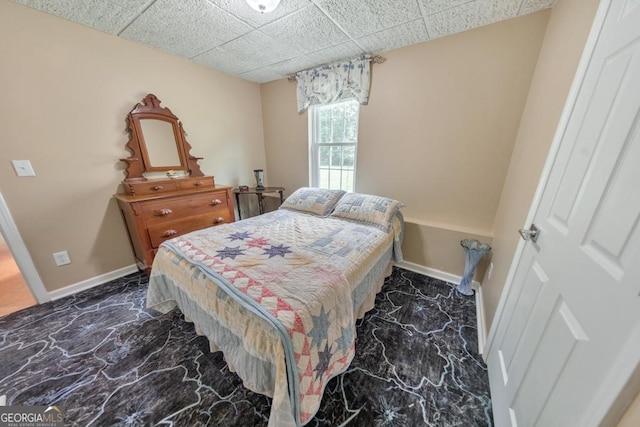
<point x="157" y="210"/>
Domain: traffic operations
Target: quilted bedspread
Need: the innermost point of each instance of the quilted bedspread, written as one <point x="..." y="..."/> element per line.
<point x="280" y="287"/>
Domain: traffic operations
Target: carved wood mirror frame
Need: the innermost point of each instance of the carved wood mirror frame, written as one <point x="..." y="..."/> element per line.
<point x="139" y="162"/>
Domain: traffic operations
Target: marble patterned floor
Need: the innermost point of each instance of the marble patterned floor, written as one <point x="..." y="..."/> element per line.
<point x="105" y="359"/>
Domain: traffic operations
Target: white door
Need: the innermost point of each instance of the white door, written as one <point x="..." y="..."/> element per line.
<point x="20" y="253"/>
<point x="567" y="336"/>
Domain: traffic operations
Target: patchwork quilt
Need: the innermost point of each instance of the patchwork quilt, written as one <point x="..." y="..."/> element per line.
<point x="275" y="294"/>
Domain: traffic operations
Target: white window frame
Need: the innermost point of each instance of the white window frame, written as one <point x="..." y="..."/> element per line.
<point x="314" y="147"/>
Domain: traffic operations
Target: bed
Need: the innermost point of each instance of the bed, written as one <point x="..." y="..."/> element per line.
<point x="279" y="294"/>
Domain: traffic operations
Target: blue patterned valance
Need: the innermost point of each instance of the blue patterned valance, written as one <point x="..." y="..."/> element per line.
<point x="334" y="82"/>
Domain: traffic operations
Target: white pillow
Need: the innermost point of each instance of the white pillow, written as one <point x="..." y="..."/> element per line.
<point x="317" y="201"/>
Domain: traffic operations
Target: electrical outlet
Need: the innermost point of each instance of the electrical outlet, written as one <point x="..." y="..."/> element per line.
<point x="23" y="168"/>
<point x="61" y="258"/>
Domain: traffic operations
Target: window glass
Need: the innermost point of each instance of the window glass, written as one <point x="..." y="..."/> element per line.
<point x="333" y="140"/>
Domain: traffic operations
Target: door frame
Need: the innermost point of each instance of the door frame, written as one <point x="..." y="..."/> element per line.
<point x="619" y="380"/>
<point x="21" y="254"/>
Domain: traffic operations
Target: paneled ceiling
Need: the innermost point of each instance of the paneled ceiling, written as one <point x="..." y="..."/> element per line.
<point x="229" y="36"/>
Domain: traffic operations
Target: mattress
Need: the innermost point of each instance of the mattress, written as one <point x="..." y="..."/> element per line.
<point x="279" y="295"/>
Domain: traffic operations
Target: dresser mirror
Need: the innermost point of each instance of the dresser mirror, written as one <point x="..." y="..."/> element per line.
<point x="160" y="142"/>
<point x="157" y="142"/>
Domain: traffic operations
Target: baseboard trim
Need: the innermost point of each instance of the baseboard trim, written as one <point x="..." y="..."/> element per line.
<point x="92" y="282"/>
<point x="428" y="271"/>
<point x="482" y="322"/>
<point x="452" y="278"/>
<point x="436" y="274"/>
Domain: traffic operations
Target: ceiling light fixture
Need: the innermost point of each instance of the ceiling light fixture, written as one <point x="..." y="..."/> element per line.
<point x="263" y="6"/>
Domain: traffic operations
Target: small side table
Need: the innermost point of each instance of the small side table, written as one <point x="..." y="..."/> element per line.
<point x="260" y="194"/>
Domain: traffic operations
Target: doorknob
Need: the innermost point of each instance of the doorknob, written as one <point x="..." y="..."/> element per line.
<point x="531" y="233"/>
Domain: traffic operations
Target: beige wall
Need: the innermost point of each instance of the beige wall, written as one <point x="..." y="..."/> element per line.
<point x="285" y="133"/>
<point x="437" y="134"/>
<point x="65" y="91"/>
<point x="631" y="418"/>
<point x="562" y="47"/>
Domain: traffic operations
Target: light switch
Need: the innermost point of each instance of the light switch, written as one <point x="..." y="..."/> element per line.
<point x="23" y="168"/>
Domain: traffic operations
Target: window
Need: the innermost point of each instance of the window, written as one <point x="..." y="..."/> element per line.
<point x="333" y="137"/>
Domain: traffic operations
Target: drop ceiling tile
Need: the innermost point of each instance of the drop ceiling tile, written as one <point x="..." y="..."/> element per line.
<point x="156" y="36"/>
<point x="222" y="25"/>
<point x="370" y="16"/>
<point x="130" y="4"/>
<point x="293" y="65"/>
<point x="262" y="75"/>
<point x="194" y="8"/>
<point x="162" y="16"/>
<point x="97" y="14"/>
<point x="169" y="13"/>
<point x="308" y="29"/>
<point x="249" y="52"/>
<point x="199" y="40"/>
<point x="243" y="11"/>
<point x="224" y="60"/>
<point x="529" y="6"/>
<point x="403" y="35"/>
<point x="260" y="48"/>
<point x="435" y="6"/>
<point x="165" y="12"/>
<point x="339" y="52"/>
<point x="470" y="15"/>
<point x="183" y="30"/>
<point x="491" y="11"/>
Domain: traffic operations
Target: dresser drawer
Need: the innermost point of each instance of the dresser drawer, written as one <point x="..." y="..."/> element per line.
<point x="184" y="206"/>
<point x="161" y="186"/>
<point x="158" y="233"/>
<point x="151" y="219"/>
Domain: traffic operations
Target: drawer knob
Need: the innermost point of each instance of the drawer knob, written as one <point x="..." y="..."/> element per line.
<point x="197" y="183"/>
<point x="218" y="220"/>
<point x="169" y="233"/>
<point x="157" y="187"/>
<point x="162" y="212"/>
<point x="215" y="202"/>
